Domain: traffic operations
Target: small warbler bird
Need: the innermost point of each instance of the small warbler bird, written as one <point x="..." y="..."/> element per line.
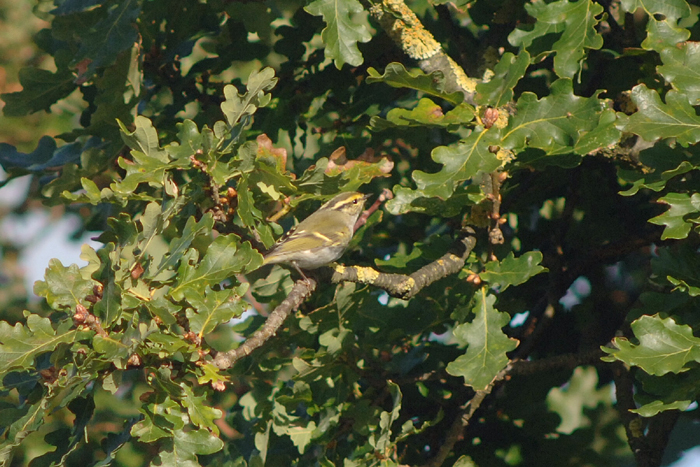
<point x="322" y="237"/>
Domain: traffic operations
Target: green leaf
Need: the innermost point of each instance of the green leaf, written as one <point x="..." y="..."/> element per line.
<point x="236" y="106"/>
<point x="396" y="76"/>
<point x="256" y="17"/>
<point x="168" y="343"/>
<point x="67" y="441"/>
<point x="182" y="450"/>
<point x="41" y="89"/>
<point x="147" y="431"/>
<point x="662" y="163"/>
<point x="653" y="408"/>
<point x="144" y="139"/>
<point x="681" y="69"/>
<point x="102" y="42"/>
<point x="116" y="347"/>
<point x="45" y="157"/>
<point x="575" y="22"/>
<point x="662" y="22"/>
<point x="64" y="287"/>
<point x="498" y="91"/>
<point x="513" y="271"/>
<point x="214" y="307"/>
<point x="190" y="141"/>
<point x="346" y="25"/>
<point x="580" y="393"/>
<point x="179" y="246"/>
<point x="161" y="419"/>
<point x="25" y="426"/>
<point x="426" y="113"/>
<point x="225" y="257"/>
<point x="211" y="375"/>
<point x="108" y="309"/>
<point x="384" y="442"/>
<point x="353" y="173"/>
<point x="664" y="346"/>
<point x="113" y="442"/>
<point x="654" y="119"/>
<point x="301" y="436"/>
<point x="251" y="216"/>
<point x="20" y="345"/>
<point x="668" y="392"/>
<point x="406" y="200"/>
<point x="200" y="413"/>
<point x="680" y="266"/>
<point x="677" y="224"/>
<point x="555" y="124"/>
<point x="603" y="136"/>
<point x="150" y="161"/>
<point x="163" y="309"/>
<point x="460" y="161"/>
<point x="487" y="344"/>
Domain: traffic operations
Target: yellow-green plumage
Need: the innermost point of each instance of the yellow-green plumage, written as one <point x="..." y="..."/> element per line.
<point x="322" y="237"/>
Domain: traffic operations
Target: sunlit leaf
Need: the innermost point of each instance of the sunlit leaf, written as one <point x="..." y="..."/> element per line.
<point x="396" y="75"/>
<point x="555" y="124"/>
<point x="654" y="119"/>
<point x="662" y="21"/>
<point x="498" y="91"/>
<point x="20" y="344"/>
<point x="199" y="411"/>
<point x="225" y="256"/>
<point x="513" y="271"/>
<point x="237" y="106"/>
<point x="64" y="287"/>
<point x="675" y="220"/>
<point x="681" y="69"/>
<point x="426" y="113"/>
<point x="345" y="27"/>
<point x="575" y="22"/>
<point x="664" y="346"/>
<point x="487" y="344"/>
<point x="461" y="162"/>
<point x="212" y="308"/>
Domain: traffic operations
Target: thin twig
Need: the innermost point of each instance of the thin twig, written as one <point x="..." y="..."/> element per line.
<point x="385" y="195"/>
<point x="461" y="421"/>
<point x="299" y="293"/>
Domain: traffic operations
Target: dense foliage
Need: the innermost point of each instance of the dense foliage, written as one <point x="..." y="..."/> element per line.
<point x="566" y="155"/>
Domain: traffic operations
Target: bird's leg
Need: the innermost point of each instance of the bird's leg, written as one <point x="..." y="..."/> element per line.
<point x="296" y="266"/>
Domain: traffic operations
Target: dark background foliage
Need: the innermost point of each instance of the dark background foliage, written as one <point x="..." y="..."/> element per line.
<point x="190" y="135"/>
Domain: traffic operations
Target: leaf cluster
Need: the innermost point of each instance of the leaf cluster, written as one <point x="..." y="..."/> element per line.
<point x="208" y="129"/>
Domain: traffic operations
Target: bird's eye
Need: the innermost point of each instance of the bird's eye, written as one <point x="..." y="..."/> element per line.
<point x="354" y="201"/>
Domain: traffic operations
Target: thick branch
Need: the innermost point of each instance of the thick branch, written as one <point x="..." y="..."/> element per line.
<point x="404" y="286"/>
<point x="396" y="284"/>
<point x="406" y="30"/>
<point x="647" y="437"/>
